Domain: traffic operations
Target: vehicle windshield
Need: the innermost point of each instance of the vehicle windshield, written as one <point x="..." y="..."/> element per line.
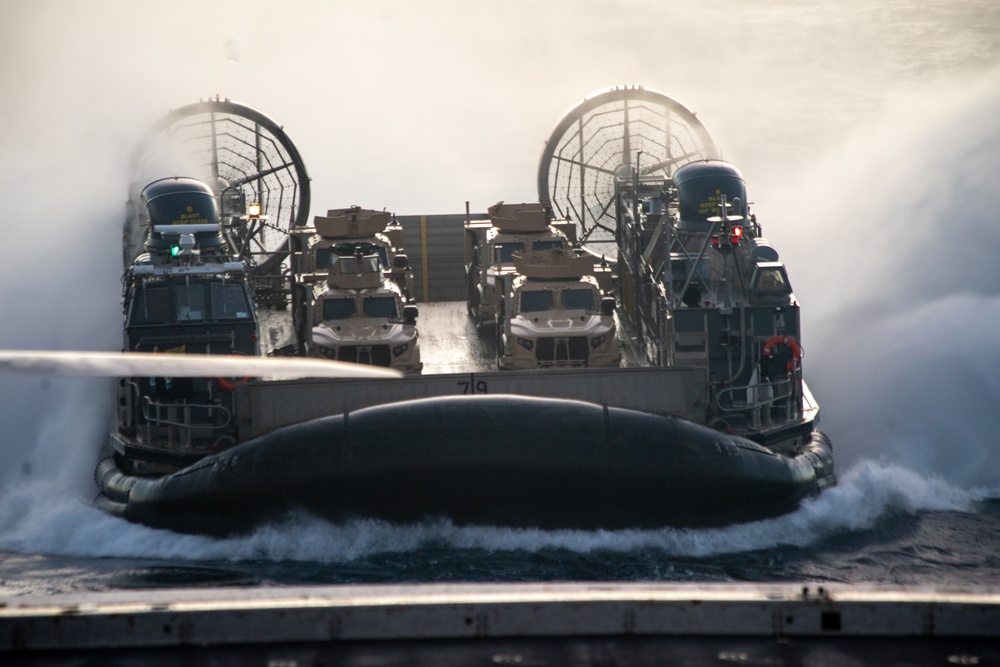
<point x="229" y="301"/>
<point x="338" y="308"/>
<point x="380" y="306"/>
<point x="190" y="301"/>
<point x="533" y="302"/>
<point x="577" y="299"/>
<point x="502" y="252"/>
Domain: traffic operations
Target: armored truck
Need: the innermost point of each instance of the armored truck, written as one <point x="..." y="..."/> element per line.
<point x="556" y="313"/>
<point x="490" y="247"/>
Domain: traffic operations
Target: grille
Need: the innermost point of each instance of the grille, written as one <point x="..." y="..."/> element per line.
<point x="373" y="355"/>
<point x="573" y="350"/>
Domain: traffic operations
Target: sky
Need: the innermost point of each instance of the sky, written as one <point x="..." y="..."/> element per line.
<point x="420" y="106"/>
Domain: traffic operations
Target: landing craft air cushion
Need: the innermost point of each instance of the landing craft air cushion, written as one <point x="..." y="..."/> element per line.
<point x="709" y="421"/>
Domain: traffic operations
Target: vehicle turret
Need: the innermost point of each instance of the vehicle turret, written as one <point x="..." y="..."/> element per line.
<point x="345" y="231"/>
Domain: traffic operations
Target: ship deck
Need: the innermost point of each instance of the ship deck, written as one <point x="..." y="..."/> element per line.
<point x="449" y="342"/>
<point x="517" y="623"/>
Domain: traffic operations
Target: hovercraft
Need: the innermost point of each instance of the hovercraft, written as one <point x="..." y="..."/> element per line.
<point x="706" y="421"/>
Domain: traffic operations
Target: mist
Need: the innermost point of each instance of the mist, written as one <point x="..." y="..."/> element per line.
<point x="867" y="135"/>
<point x="901" y="284"/>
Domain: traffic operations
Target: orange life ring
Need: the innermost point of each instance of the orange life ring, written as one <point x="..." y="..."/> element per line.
<point x="792" y="344"/>
<point x="230" y="385"/>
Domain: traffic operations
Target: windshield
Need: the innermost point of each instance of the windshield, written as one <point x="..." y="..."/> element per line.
<point x="380" y="306"/>
<point x="193" y="301"/>
<point x="190" y="302"/>
<point x="577" y="299"/>
<point x="338" y="309"/>
<point x="532" y="302"/>
<point x="229" y="301"/>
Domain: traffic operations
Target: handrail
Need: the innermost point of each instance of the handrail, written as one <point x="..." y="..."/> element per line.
<point x="148" y="405"/>
<point x="765" y="395"/>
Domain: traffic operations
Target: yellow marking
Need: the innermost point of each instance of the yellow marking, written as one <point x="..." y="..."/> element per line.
<point x="191" y="218"/>
<point x="423" y="257"/>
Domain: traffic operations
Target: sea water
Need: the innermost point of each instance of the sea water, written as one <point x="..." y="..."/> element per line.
<point x="869" y="135"/>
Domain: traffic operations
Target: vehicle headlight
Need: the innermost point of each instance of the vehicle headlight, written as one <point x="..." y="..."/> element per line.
<point x="526" y="343"/>
<point x="598" y="341"/>
<point x="400" y="349"/>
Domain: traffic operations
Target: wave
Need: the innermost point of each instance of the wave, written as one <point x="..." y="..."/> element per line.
<point x="71" y="526"/>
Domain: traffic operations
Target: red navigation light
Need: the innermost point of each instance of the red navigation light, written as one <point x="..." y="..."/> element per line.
<point x="715" y="241"/>
<point x="736" y="235"/>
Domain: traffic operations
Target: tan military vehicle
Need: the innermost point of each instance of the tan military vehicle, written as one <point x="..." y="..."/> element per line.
<point x="555" y="313"/>
<point x="356" y="290"/>
<point x="490" y="246"/>
<point x="360" y="316"/>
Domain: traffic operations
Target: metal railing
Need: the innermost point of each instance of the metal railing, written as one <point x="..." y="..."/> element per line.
<point x="763" y="404"/>
<point x="177" y="424"/>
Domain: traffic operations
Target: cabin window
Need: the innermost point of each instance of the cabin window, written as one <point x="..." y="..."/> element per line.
<point x="503" y="252"/>
<point x="539" y="246"/>
<point x="681" y="265"/>
<point x="380" y="306"/>
<point x="337" y="309"/>
<point x="229" y="302"/>
<point x="190" y="302"/>
<point x="577" y="299"/>
<point x="772" y="280"/>
<point x="533" y="302"/>
<point x="151" y="306"/>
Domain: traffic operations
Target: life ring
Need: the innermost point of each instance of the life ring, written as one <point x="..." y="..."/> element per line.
<point x="792" y="344"/>
<point x="229" y="385"/>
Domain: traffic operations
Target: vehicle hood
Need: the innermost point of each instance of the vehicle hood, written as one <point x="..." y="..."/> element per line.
<point x="555" y="324"/>
<point x="362" y="332"/>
